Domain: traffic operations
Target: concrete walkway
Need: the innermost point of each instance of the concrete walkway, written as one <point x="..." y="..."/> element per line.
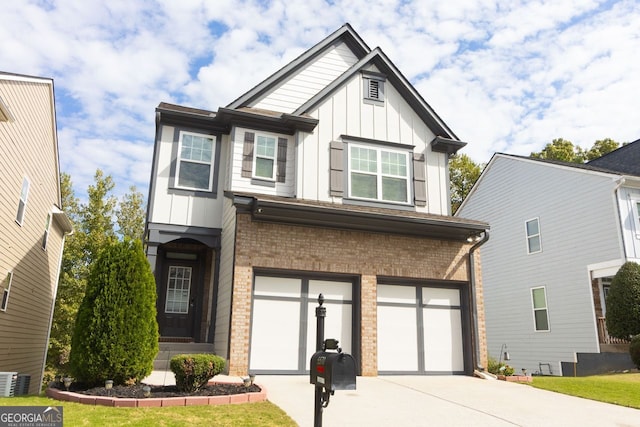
<point x="442" y="401"/>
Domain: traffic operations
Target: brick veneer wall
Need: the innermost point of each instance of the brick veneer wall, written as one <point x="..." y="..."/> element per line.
<point x="368" y="255"/>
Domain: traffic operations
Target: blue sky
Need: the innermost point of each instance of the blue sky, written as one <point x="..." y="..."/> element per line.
<point x="506" y="76"/>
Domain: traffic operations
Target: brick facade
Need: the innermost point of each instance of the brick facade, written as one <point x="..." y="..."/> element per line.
<point x="368" y="255"/>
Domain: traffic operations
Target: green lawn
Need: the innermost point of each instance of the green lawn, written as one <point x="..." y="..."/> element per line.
<point x="620" y="389"/>
<point x="247" y="414"/>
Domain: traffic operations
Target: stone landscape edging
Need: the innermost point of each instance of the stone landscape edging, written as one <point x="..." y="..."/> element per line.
<point x="156" y="402"/>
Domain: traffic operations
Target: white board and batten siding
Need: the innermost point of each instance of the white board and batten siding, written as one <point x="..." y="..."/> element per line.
<point x="345" y="113"/>
<point x="225" y="279"/>
<point x="305" y="84"/>
<point x="182" y="208"/>
<point x="578" y="227"/>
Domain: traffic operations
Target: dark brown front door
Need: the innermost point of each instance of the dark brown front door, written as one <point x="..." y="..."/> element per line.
<point x="177" y="299"/>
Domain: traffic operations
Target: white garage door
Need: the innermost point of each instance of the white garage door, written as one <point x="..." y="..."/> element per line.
<point x="419" y="330"/>
<point x="283" y="322"/>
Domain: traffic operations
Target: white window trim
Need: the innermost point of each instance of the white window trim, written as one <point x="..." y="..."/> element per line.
<point x="179" y="161"/>
<point x="379" y="174"/>
<point x="23" y="202"/>
<point x="526" y="233"/>
<point x="546" y="308"/>
<point x="4" y="297"/>
<point x="255" y="157"/>
<point x="635" y="205"/>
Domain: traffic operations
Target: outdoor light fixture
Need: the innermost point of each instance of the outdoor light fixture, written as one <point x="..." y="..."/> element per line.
<point x="108" y="384"/>
<point x="252" y="377"/>
<point x="67" y="382"/>
<point x="246" y="381"/>
<point x="146" y="391"/>
<point x="504" y="354"/>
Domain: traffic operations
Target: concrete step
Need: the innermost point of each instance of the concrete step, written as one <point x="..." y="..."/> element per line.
<point x="170" y="349"/>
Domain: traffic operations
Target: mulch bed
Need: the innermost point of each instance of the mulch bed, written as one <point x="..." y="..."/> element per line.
<point x="136" y="392"/>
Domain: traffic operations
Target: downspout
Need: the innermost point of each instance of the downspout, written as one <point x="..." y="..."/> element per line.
<point x="474" y="310"/>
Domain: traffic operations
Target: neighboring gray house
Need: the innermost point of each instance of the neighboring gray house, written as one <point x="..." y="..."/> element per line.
<point x="560" y="231"/>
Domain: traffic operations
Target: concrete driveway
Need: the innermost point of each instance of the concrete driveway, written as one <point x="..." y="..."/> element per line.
<point x="442" y="401"/>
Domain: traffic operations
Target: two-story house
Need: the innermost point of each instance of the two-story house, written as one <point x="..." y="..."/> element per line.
<point x="330" y="176"/>
<point x="559" y="233"/>
<point x="32" y="227"/>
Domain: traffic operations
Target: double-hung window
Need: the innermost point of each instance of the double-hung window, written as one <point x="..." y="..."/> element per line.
<point x="22" y="204"/>
<point x="532" y="228"/>
<point x="194" y="169"/>
<point x="379" y="174"/>
<point x="636" y="216"/>
<point x="6" y="288"/>
<point x="540" y="312"/>
<point x="45" y="237"/>
<point x="264" y="162"/>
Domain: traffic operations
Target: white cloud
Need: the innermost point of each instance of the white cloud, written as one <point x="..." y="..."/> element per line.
<point x="505" y="76"/>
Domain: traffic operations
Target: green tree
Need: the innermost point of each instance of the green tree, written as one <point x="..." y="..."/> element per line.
<point x="116" y="333"/>
<point x="463" y="173"/>
<point x="601" y="147"/>
<point x="623" y="302"/>
<point x="96" y="217"/>
<point x="131" y="214"/>
<point x="563" y="150"/>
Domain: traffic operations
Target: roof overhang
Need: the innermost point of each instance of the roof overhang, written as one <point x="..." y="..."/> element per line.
<point x="356" y="218"/>
<point x="446" y="145"/>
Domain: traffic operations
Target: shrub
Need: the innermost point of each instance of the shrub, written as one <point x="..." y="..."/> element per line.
<point x="193" y="371"/>
<point x="499" y="368"/>
<point x="634" y="350"/>
<point x="623" y="302"/>
<point x="116" y="332"/>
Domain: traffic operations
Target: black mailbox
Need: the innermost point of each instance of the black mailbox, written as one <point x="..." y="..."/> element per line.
<point x="333" y="371"/>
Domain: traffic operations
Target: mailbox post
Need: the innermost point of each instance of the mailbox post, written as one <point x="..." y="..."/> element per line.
<point x="329" y="370"/>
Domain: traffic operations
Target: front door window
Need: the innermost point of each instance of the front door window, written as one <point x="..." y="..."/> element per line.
<point x="178" y="290"/>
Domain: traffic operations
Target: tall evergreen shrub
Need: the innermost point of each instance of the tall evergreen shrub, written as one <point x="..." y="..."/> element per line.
<point x="623" y="302"/>
<point x="116" y="331"/>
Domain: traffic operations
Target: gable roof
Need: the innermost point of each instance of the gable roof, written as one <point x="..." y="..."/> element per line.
<point x="366" y="57"/>
<point x="625" y="159"/>
<point x="576" y="167"/>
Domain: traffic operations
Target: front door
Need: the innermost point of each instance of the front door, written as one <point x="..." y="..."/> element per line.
<point x="177" y="300"/>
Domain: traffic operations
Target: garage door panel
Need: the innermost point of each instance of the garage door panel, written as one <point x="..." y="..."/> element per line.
<point x="441" y="297"/>
<point x="275" y="334"/>
<point x="337" y="325"/>
<point x="443" y="340"/>
<point x="339" y="291"/>
<point x="397" y="339"/>
<point x="277" y="287"/>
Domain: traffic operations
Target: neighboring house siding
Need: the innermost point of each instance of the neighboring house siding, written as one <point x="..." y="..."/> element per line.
<point x="628" y="199"/>
<point x="578" y="222"/>
<point x="309" y="81"/>
<point x="345" y="113"/>
<point x="177" y="207"/>
<point x="28" y="148"/>
<point x="225" y="280"/>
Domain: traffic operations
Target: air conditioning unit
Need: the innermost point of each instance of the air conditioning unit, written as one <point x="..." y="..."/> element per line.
<point x="22" y="385"/>
<point x="8" y="383"/>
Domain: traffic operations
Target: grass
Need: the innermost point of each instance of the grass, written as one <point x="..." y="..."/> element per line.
<point x="246" y="414"/>
<point x="619" y="389"/>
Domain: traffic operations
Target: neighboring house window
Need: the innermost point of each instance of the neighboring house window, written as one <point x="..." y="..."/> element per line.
<point x="45" y="237"/>
<point x="22" y="204"/>
<point x="378" y="174"/>
<point x="605" y="283"/>
<point x="194" y="169"/>
<point x="264" y="157"/>
<point x="636" y="216"/>
<point x="534" y="243"/>
<point x="373" y="86"/>
<point x="6" y="287"/>
<point x="264" y="161"/>
<point x="178" y="290"/>
<point x="540" y="314"/>
<point x="5" y="114"/>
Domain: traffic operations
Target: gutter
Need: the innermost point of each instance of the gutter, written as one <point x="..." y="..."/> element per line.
<point x="472" y="283"/>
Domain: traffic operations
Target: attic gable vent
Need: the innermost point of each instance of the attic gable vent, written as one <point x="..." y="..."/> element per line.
<point x="373" y="86"/>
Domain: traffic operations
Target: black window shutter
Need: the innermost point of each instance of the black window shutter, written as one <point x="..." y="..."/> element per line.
<point x="419" y="180"/>
<point x="247" y="154"/>
<point x="337" y="168"/>
<point x="282" y="159"/>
